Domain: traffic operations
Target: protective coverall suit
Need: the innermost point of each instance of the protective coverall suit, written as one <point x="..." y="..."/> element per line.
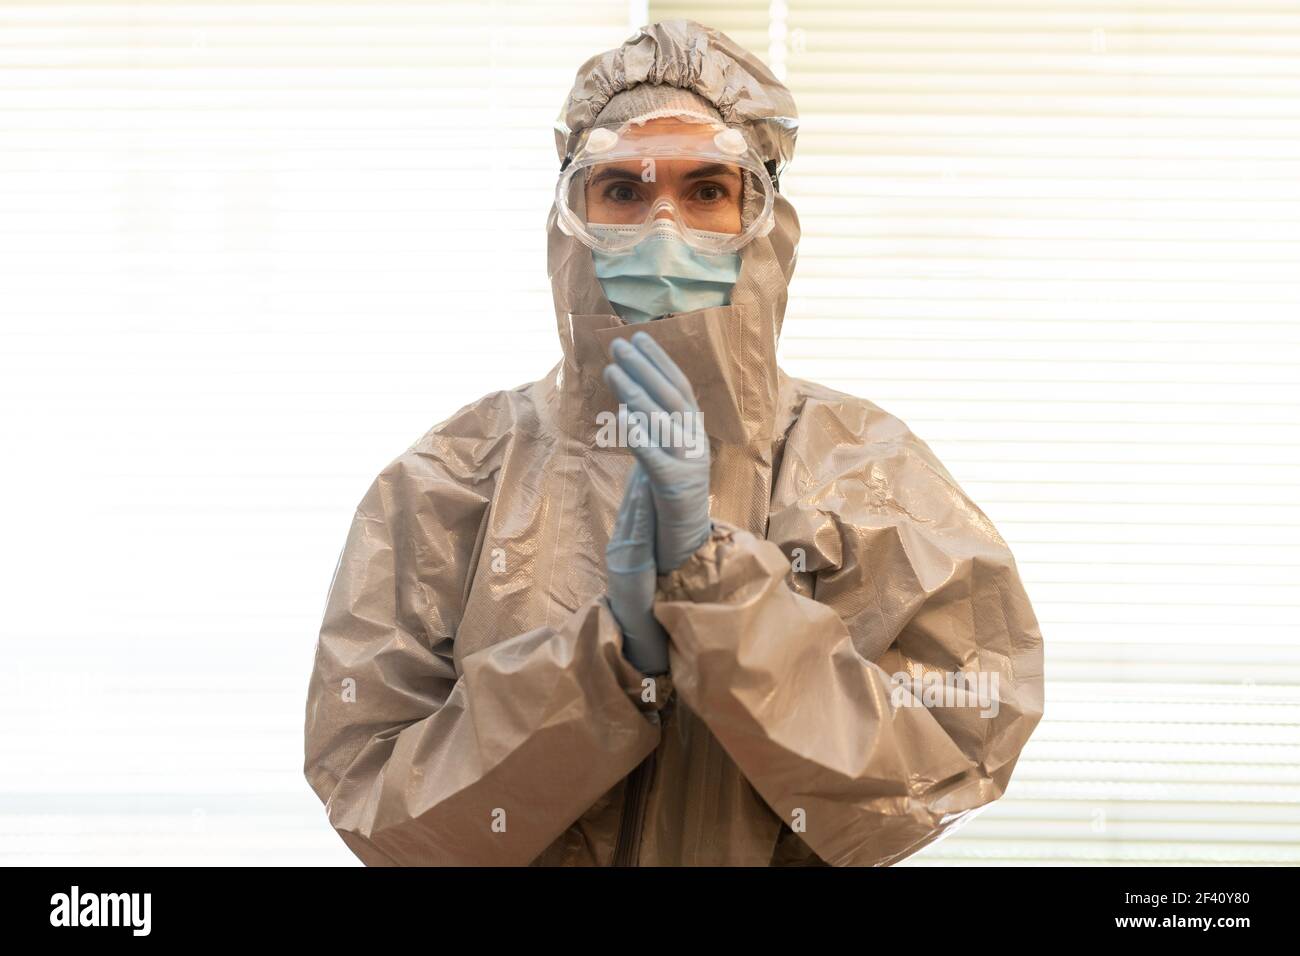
<point x="470" y="702"/>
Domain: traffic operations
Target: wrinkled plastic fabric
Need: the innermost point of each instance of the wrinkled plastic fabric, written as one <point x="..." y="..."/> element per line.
<point x="470" y="702"/>
<point x="684" y="54"/>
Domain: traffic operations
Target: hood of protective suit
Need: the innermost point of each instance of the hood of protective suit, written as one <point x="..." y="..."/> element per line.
<point x="728" y="352"/>
<point x="470" y="701"/>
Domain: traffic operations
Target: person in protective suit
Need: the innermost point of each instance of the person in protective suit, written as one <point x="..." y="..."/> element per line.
<point x="557" y="636"/>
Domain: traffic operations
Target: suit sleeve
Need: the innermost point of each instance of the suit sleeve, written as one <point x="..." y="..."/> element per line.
<point x="418" y="763"/>
<point x="863" y="768"/>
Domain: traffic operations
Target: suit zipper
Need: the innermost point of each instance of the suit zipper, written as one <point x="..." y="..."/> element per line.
<point x="629" y="829"/>
<point x="631" y="824"/>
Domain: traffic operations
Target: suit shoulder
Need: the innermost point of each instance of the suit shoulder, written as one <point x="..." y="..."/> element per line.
<point x="469" y="444"/>
<point x="855" y="419"/>
<point x="851" y="431"/>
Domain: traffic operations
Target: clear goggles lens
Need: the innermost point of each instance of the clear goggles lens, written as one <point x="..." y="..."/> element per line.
<point x="623" y="183"/>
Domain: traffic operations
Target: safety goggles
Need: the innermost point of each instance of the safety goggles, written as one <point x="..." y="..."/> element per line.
<point x="623" y="182"/>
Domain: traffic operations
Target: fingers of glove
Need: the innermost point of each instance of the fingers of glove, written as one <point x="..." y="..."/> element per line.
<point x="643" y="371"/>
<point x="678" y="433"/>
<point x="632" y="570"/>
<point x="643" y="515"/>
<point x="687" y="438"/>
<point x="660" y="467"/>
<point x="686" y="494"/>
<point x="673" y="436"/>
<point x="666" y="435"/>
<point x="640" y="419"/>
<point x="653" y="351"/>
<point x="624" y="519"/>
<point x="667" y="441"/>
<point x="630" y="392"/>
<point x="631" y="545"/>
<point x="682" y="521"/>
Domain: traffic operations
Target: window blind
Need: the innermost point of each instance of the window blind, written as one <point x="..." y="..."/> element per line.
<point x="249" y="252"/>
<point x="1061" y="240"/>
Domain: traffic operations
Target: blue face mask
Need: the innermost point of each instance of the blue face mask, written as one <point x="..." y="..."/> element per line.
<point x="663" y="275"/>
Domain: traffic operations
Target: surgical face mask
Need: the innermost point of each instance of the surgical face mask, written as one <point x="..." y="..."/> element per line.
<point x="662" y="275"/>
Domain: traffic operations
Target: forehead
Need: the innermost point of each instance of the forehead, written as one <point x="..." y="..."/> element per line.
<point x="662" y="137"/>
<point x="671" y="128"/>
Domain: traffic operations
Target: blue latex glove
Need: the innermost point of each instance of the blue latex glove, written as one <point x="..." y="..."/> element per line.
<point x="646" y="380"/>
<point x="631" y="573"/>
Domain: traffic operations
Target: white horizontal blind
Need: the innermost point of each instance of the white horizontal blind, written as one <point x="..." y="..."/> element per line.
<point x="249" y="252"/>
<point x="1062" y="241"/>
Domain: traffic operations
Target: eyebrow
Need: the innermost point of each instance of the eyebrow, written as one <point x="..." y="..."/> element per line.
<point x="713" y="169"/>
<point x="701" y="172"/>
<point x="614" y="172"/>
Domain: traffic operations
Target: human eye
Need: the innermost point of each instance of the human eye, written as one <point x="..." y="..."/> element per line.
<point x="622" y="192"/>
<point x="712" y="193"/>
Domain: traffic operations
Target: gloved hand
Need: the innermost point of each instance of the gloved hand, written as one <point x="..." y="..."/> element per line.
<point x="646" y="380"/>
<point x="630" y="570"/>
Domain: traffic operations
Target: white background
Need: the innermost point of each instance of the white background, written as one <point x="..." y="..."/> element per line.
<point x="250" y="252"/>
